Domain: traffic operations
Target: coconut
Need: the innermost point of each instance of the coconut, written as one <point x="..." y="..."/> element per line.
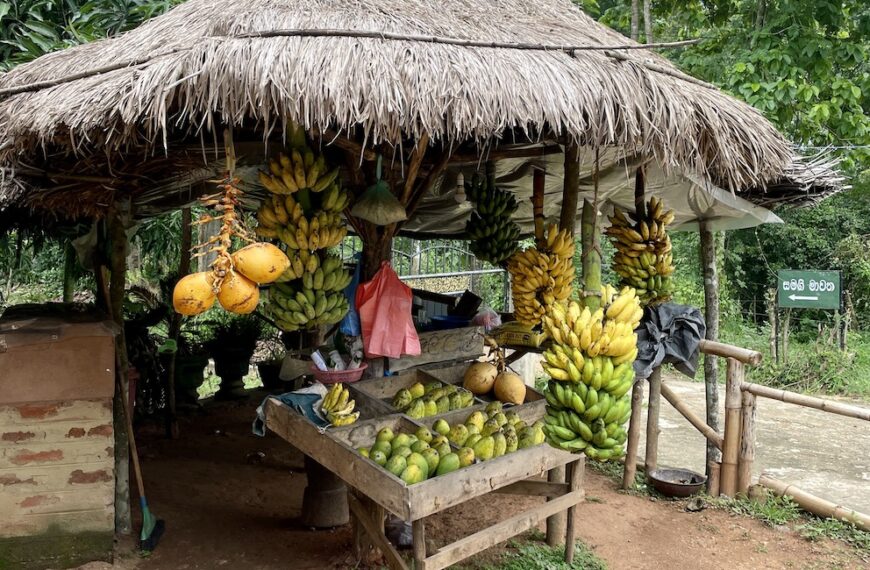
<point x="479" y="378"/>
<point x="510" y="388"/>
<point x="193" y="294"/>
<point x="238" y="294"/>
<point x="260" y="262"/>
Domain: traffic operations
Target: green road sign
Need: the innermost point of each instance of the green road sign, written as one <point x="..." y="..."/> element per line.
<point x="808" y="289"/>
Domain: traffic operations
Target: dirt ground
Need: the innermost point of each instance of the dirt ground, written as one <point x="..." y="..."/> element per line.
<point x="227" y="506"/>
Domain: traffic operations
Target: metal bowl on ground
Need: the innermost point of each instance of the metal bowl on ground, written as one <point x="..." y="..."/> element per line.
<point x="676" y="482"/>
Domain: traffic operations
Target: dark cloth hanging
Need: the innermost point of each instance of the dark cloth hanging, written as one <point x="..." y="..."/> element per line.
<point x="669" y="334"/>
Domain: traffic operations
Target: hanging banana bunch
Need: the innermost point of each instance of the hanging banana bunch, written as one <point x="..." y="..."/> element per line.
<point x="643" y="259"/>
<point x="590" y="363"/>
<point x="304" y="212"/>
<point x="490" y="229"/>
<point x="540" y="278"/>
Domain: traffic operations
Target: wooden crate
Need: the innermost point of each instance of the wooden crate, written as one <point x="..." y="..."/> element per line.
<point x="529" y="413"/>
<point x="409" y="502"/>
<point x="363" y="433"/>
<point x="454" y="374"/>
<point x="450" y="345"/>
<point x="368" y="407"/>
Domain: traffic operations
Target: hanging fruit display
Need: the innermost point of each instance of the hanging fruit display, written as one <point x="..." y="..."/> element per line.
<point x="492" y="232"/>
<point x="590" y="366"/>
<point x="643" y="259"/>
<point x="542" y="277"/>
<point x="303" y="211"/>
<point x="234" y="277"/>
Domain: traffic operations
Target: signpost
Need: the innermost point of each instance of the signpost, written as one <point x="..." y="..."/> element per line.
<point x="809" y="289"/>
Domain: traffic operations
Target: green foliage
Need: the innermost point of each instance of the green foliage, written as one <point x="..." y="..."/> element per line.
<point x="773" y="511"/>
<point x="532" y="556"/>
<point x="31" y="28"/>
<point x="817" y="529"/>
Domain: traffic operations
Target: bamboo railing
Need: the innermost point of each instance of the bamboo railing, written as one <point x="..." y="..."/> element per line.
<point x="734" y="474"/>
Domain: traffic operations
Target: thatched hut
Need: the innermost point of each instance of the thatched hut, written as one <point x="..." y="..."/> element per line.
<point x="434" y="86"/>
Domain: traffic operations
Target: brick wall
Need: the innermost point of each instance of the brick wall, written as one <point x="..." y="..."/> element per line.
<point x="56" y="476"/>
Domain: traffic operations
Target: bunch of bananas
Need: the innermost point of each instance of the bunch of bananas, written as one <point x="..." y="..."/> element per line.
<point x="337" y="406"/>
<point x="299" y="170"/>
<point x="295" y="306"/>
<point x="492" y="233"/>
<point x="643" y="259"/>
<point x="284" y="218"/>
<point x="541" y="278"/>
<point x="590" y="365"/>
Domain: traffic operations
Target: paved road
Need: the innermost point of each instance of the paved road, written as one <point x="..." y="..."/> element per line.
<point x="822" y="453"/>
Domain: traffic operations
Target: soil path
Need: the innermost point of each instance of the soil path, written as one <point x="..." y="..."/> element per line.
<point x="231" y="500"/>
<point x="822" y="453"/>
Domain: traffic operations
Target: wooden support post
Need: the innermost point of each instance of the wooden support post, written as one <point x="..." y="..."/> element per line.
<point x="117" y="235"/>
<point x="747" y="443"/>
<point x="731" y="440"/>
<point x="69" y="271"/>
<point x="771" y="319"/>
<point x="556" y="523"/>
<point x="713" y="480"/>
<point x="652" y="420"/>
<point x="630" y="470"/>
<point x="570" y="187"/>
<point x="418" y="529"/>
<point x="711" y="318"/>
<point x="591" y="249"/>
<point x="786" y="332"/>
<point x="712" y="436"/>
<point x="576" y="473"/>
<point x="538" y="179"/>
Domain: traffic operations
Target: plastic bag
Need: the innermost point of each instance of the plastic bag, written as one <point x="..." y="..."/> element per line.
<point x="384" y="306"/>
<point x="486" y="318"/>
<point x="350" y="323"/>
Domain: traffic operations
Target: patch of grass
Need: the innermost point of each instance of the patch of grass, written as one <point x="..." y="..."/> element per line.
<point x="774" y="511"/>
<point x="614" y="469"/>
<point x="816" y="528"/>
<point x="535" y="556"/>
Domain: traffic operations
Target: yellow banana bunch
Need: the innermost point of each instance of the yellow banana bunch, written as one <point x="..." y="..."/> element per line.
<point x="590" y="363"/>
<point x="321" y="230"/>
<point x="338" y="407"/>
<point x="298" y="170"/>
<point x="540" y="278"/>
<point x="643" y="259"/>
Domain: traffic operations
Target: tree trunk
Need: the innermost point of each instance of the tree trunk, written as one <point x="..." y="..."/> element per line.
<point x="69" y="268"/>
<point x="635" y="20"/>
<point x="118" y="241"/>
<point x="711" y="317"/>
<point x="175" y="324"/>
<point x="647" y="21"/>
<point x="374" y="253"/>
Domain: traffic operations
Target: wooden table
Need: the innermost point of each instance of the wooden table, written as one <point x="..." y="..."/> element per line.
<point x="375" y="489"/>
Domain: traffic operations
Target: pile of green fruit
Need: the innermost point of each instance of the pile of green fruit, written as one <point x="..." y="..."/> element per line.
<point x="420" y="401"/>
<point x="443" y="449"/>
<point x="492" y="432"/>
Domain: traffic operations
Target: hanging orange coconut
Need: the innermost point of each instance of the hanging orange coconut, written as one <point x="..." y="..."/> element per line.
<point x="260" y="262"/>
<point x="193" y="294"/>
<point x="238" y="294"/>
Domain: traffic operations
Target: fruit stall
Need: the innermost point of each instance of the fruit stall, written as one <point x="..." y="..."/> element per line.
<point x="283" y="162"/>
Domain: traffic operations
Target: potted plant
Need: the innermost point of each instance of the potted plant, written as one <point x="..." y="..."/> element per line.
<point x="231" y="346"/>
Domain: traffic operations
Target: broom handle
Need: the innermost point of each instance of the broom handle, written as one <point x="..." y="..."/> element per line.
<point x="134" y="452"/>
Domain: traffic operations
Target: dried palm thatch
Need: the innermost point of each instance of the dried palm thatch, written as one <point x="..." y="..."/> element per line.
<point x="221" y="60"/>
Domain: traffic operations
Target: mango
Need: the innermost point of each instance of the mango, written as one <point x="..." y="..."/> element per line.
<point x="403" y="399"/>
<point x="423" y="434"/>
<point x="419" y="461"/>
<point x="431" y="408"/>
<point x="436" y="393"/>
<point x="448" y="464"/>
<point x="511" y="442"/>
<point x="417" y="409"/>
<point x="490" y="427"/>
<point x="449" y="389"/>
<point x="493" y="408"/>
<point x="443" y="449"/>
<point x="500" y="418"/>
<point x="472" y="429"/>
<point x="412" y="474"/>
<point x="386" y="434"/>
<point x="484" y="448"/>
<point x="466" y="398"/>
<point x="476" y="418"/>
<point x="402" y="451"/>
<point x="433" y="385"/>
<point x="472" y="439"/>
<point x="384" y="447"/>
<point x="364" y="451"/>
<point x="441" y="426"/>
<point x="401" y="440"/>
<point x="419" y="446"/>
<point x="458" y="434"/>
<point x="456" y="402"/>
<point x="443" y="404"/>
<point x="512" y="417"/>
<point x="499" y="444"/>
<point x="439" y="439"/>
<point x="396" y="465"/>
<point x="432" y="457"/>
<point x="417" y="390"/>
<point x="378" y="457"/>
<point x="466" y="456"/>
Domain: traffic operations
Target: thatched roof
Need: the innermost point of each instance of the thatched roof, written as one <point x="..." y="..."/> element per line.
<point x="68" y="134"/>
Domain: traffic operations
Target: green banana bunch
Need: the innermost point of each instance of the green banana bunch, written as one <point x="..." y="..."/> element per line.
<point x="590" y="363"/>
<point x="338" y="407"/>
<point x="492" y="232"/>
<point x="294" y="306"/>
<point x="643" y="259"/>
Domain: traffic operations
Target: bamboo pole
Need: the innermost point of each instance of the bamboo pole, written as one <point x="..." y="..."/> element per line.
<point x="743" y="355"/>
<point x="591" y="248"/>
<point x="538" y="179"/>
<point x="630" y="470"/>
<point x="714" y="469"/>
<point x="711" y="318"/>
<point x="747" y="443"/>
<point x="816" y="505"/>
<point x="557" y="524"/>
<point x="731" y="439"/>
<point x="714" y="439"/>
<point x="652" y="420"/>
<point x="822" y="404"/>
<point x="570" y="187"/>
